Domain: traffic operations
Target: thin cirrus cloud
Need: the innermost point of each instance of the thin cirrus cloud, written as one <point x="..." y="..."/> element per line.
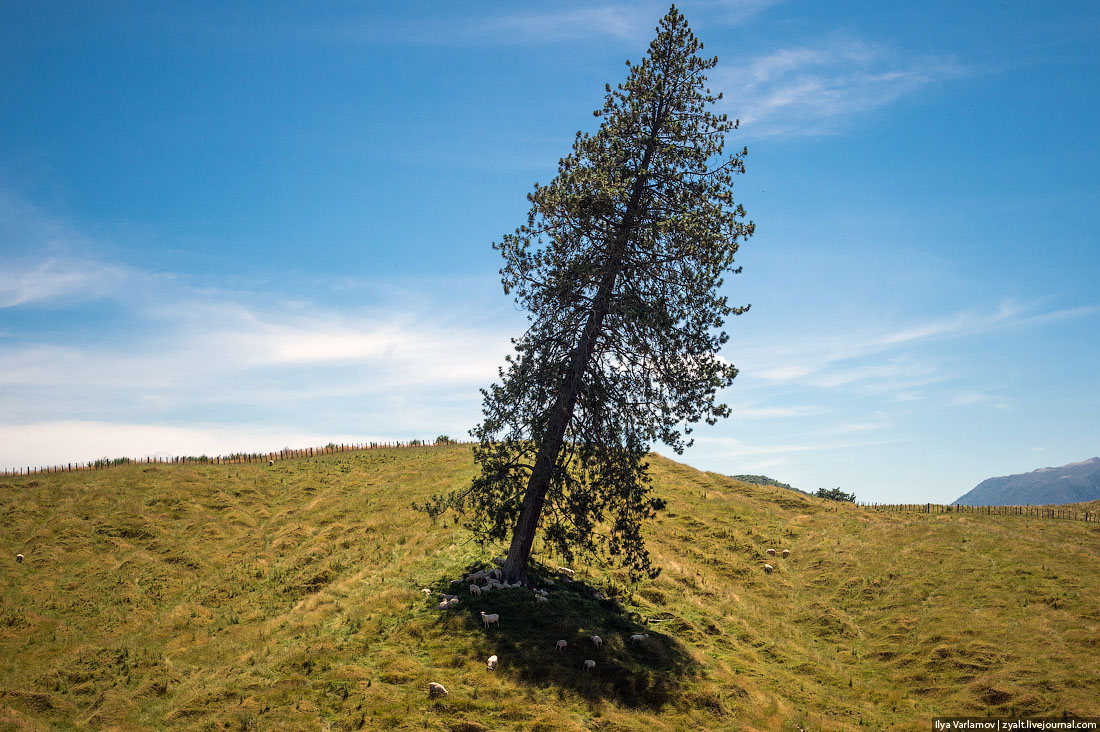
<point x="816" y="90"/>
<point x="888" y="361"/>
<point x="631" y="23"/>
<point x="59" y="279"/>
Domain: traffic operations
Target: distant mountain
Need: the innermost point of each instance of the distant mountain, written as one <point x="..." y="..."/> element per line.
<point x="1071" y="483"/>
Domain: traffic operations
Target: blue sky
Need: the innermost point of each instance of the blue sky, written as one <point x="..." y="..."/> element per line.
<point x="267" y="225"/>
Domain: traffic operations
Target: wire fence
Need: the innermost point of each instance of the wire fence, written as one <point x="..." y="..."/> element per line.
<point x="1070" y="512"/>
<point x="234" y="458"/>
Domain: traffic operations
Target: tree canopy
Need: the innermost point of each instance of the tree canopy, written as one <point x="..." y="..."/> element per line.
<point x="619" y="267"/>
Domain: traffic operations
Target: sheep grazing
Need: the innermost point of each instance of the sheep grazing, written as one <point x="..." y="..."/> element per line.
<point x="435" y="689"/>
<point x="496" y="574"/>
<point x="768" y="568"/>
<point x="456" y="582"/>
<point x="499" y="560"/>
<point x="270" y="463"/>
<point x="444" y="604"/>
<point x="561" y="645"/>
<point x="491" y="664"/>
<point x="589" y="665"/>
<point x="19" y="558"/>
<point x="638" y="637"/>
<point x="453" y="602"/>
<point x="475" y="591"/>
<point x="771" y="552"/>
<point x="490" y="618"/>
<point x="542" y="598"/>
<point x="566" y="572"/>
<point x="426" y="591"/>
<point x="597" y="641"/>
<point x="549" y="582"/>
<point x="786" y="553"/>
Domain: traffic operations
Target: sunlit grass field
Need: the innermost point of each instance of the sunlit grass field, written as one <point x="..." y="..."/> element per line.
<point x="288" y="597"/>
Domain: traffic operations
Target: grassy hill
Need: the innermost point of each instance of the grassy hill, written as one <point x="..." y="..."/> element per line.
<point x="249" y="597"/>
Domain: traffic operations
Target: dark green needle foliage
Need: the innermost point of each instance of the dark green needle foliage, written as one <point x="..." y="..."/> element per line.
<point x="619" y="267"/>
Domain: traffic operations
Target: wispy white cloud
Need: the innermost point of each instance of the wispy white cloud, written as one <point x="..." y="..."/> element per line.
<point x="784" y="412"/>
<point x="887" y="359"/>
<point x="557" y="24"/>
<point x="735" y="448"/>
<point x="627" y="22"/>
<point x="58" y="442"/>
<point x="817" y="89"/>
<point x="60" y="279"/>
<point x="564" y="22"/>
<point x="972" y="398"/>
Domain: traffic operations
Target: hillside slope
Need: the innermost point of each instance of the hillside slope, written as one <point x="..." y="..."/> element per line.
<point x="1072" y="483"/>
<point x="248" y="597"/>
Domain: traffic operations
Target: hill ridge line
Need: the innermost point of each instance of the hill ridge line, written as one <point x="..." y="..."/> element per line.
<point x="231" y="458"/>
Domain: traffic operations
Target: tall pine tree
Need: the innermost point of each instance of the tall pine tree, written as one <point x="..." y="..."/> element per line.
<point x="619" y="267"/>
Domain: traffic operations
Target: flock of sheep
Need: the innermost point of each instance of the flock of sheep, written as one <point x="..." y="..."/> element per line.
<point x="493" y="580"/>
<point x="771" y="553"/>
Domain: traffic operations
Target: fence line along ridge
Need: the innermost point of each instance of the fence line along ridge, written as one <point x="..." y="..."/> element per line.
<point x="1056" y="512"/>
<point x="234" y="458"/>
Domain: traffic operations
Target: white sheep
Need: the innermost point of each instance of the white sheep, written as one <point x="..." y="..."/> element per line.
<point x="477" y="576"/>
<point x="475" y="591"/>
<point x="768" y="568"/>
<point x="566" y="572"/>
<point x="435" y="689"/>
<point x="541" y="598"/>
<point x="270" y="463"/>
<point x="597" y="641"/>
<point x="638" y="637"/>
<point x="426" y="591"/>
<point x="771" y="552"/>
<point x="561" y="645"/>
<point x="453" y="602"/>
<point x="491" y="664"/>
<point x="496" y="574"/>
<point x="499" y="560"/>
<point x="589" y="665"/>
<point x="490" y="618"/>
<point x="19" y="558"/>
<point x="786" y="553"/>
<point x="443" y="605"/>
<point x="542" y="591"/>
<point x="456" y="582"/>
<point x="548" y="582"/>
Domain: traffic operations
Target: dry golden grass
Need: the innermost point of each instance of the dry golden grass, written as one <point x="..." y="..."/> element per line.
<point x="248" y="597"/>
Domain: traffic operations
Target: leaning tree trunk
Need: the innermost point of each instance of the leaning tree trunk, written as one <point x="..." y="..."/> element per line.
<point x="515" y="566"/>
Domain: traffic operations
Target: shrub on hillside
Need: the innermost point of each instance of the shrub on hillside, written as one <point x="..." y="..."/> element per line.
<point x="835" y="494"/>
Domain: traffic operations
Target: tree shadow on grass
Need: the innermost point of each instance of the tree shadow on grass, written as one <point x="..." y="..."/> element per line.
<point x="638" y="674"/>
